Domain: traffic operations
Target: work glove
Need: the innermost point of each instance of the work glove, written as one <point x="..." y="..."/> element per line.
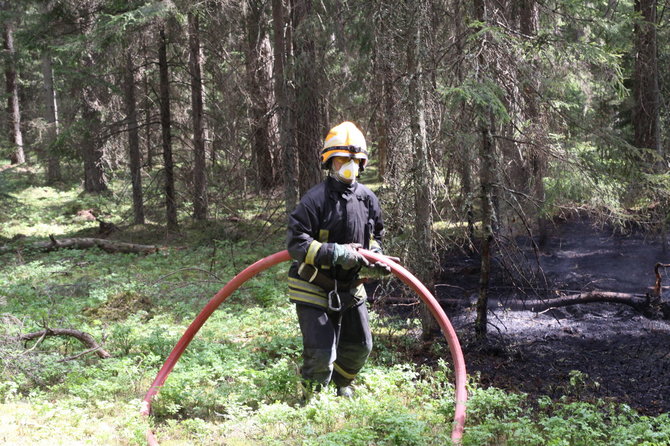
<point x="382" y="267"/>
<point x="347" y="256"/>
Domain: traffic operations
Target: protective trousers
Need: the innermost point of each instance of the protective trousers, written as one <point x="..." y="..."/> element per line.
<point x="323" y="356"/>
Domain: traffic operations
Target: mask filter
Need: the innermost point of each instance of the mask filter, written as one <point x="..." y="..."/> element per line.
<point x="348" y="172"/>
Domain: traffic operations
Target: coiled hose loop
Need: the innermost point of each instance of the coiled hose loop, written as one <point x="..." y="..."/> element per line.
<point x="283" y="256"/>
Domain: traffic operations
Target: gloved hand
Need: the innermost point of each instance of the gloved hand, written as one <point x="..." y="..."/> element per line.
<point x="347" y="256"/>
<point x="383" y="267"/>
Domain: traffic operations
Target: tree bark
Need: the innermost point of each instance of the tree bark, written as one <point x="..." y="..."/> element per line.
<point x="148" y="134"/>
<point x="90" y="92"/>
<point x="486" y="175"/>
<point x="646" y="121"/>
<point x="51" y="114"/>
<point x="133" y="139"/>
<point x="92" y="148"/>
<point x="528" y="23"/>
<point x="259" y="74"/>
<point x="13" y="110"/>
<point x="383" y="86"/>
<point x="421" y="169"/>
<point x="308" y="102"/>
<point x="466" y="151"/>
<point x="166" y="123"/>
<point x="281" y="88"/>
<point x="197" y="111"/>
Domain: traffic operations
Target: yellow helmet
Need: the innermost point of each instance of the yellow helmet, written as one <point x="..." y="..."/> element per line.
<point x="344" y="140"/>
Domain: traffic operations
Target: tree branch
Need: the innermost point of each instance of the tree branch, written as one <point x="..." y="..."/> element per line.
<point x="81" y="336"/>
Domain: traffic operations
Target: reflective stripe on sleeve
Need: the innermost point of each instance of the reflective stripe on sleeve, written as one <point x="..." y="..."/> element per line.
<point x="323" y="238"/>
<point x="311" y="252"/>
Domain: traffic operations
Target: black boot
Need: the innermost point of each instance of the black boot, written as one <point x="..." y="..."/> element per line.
<point x="345" y="392"/>
<point x="308" y="389"/>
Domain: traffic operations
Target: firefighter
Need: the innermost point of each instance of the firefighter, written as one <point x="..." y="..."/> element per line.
<point x="333" y="220"/>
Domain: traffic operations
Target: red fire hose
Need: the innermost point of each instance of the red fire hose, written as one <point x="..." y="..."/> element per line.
<point x="283" y="256"/>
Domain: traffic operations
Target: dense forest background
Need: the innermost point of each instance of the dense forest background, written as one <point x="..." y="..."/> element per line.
<point x="487" y="118"/>
<point x="486" y="121"/>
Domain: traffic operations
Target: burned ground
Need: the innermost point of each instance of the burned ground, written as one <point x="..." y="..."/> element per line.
<point x="587" y="352"/>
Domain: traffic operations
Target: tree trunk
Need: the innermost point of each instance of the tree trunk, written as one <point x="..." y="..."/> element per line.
<point x="486" y="176"/>
<point x="13" y="111"/>
<point x="646" y="89"/>
<point x="465" y="150"/>
<point x="51" y="115"/>
<point x="281" y="88"/>
<point x="260" y="92"/>
<point x="422" y="176"/>
<point x="383" y="86"/>
<point x="528" y="23"/>
<point x="147" y="122"/>
<point x="308" y="102"/>
<point x="197" y="111"/>
<point x="287" y="147"/>
<point x="133" y="139"/>
<point x="467" y="191"/>
<point x="92" y="145"/>
<point x="486" y="179"/>
<point x="166" y="123"/>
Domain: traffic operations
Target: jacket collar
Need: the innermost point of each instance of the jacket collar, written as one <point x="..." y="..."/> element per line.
<point x="339" y="186"/>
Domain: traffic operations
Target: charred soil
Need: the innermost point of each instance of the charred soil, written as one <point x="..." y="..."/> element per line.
<point x="585" y="352"/>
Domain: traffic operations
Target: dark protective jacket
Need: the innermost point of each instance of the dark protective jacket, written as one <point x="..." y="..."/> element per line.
<point x="331" y="212"/>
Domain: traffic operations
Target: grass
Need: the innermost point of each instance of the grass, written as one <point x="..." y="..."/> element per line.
<point x="237" y="383"/>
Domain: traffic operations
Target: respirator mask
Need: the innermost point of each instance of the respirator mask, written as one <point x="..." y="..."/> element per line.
<point x="348" y="171"/>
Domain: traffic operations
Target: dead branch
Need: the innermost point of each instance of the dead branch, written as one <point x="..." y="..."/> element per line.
<point x="110" y="246"/>
<point x="39" y="341"/>
<point x="80" y="354"/>
<point x="81" y="336"/>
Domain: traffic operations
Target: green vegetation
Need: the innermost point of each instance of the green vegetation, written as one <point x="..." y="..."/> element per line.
<point x="237" y="383"/>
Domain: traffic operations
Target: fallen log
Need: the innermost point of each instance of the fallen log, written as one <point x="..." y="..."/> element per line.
<point x="637" y="301"/>
<point x="81" y="336"/>
<point x="110" y="246"/>
<point x="651" y="306"/>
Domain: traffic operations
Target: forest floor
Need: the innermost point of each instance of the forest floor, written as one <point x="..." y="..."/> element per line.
<point x="588" y="351"/>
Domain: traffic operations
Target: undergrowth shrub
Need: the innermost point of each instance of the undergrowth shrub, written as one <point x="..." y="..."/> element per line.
<point x="354" y="436"/>
<point x="238" y="382"/>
